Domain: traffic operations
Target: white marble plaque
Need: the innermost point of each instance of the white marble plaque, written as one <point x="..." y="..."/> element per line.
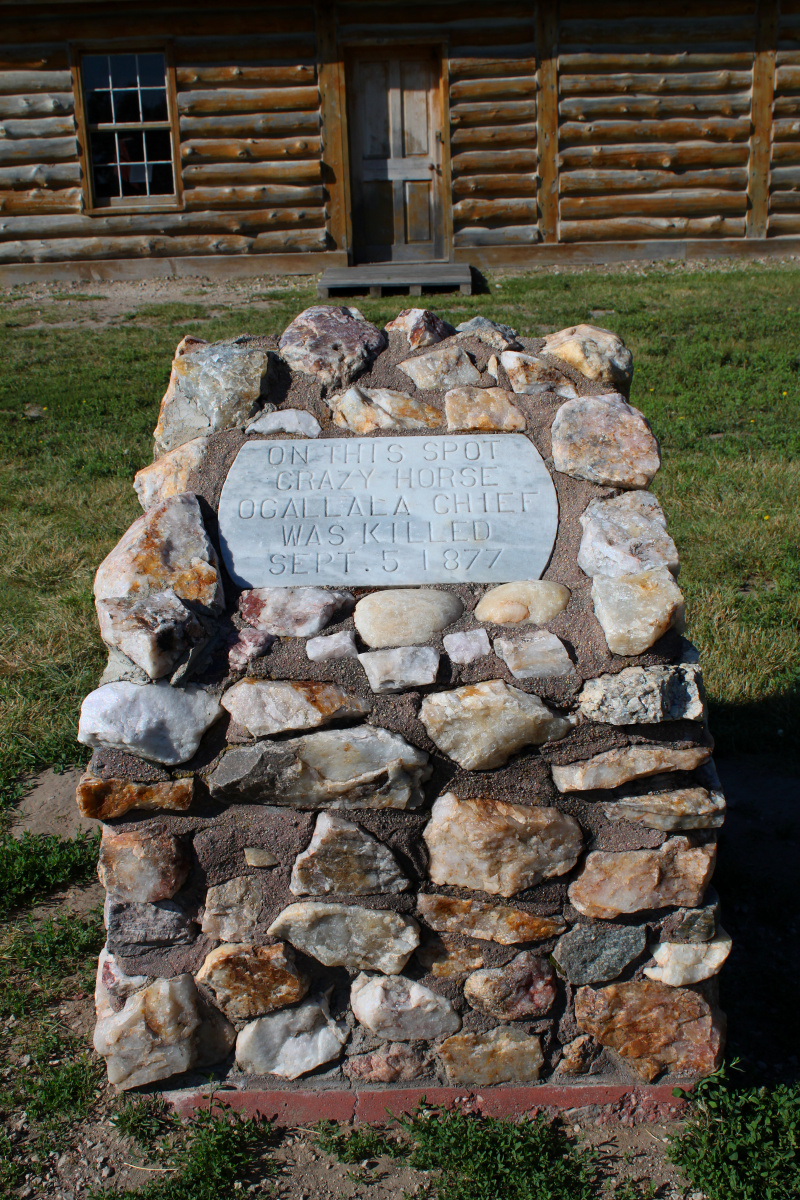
<point x="379" y="512"/>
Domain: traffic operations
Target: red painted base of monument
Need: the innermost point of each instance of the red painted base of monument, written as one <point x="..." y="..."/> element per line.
<point x="627" y="1103"/>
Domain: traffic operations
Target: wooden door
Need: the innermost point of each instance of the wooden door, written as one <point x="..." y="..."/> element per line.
<point x="395" y="131"/>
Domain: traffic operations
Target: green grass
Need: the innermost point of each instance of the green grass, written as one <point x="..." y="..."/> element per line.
<point x="35" y="864"/>
<point x="353" y="1146"/>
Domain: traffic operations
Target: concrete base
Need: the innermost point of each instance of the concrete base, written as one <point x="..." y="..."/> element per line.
<point x="626" y="1103"/>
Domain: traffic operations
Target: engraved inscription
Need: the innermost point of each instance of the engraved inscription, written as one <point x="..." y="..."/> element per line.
<point x="375" y="511"/>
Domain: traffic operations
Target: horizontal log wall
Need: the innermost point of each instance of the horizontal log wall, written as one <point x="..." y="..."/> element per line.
<point x="784" y="192"/>
<point x="654" y="120"/>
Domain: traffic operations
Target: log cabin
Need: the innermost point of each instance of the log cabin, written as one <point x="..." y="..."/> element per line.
<point x="194" y="137"/>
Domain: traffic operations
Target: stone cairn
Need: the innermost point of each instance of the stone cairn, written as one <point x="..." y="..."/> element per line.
<point x="400" y="754"/>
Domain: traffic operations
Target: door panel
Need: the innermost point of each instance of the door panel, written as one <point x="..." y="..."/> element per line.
<point x="395" y="154"/>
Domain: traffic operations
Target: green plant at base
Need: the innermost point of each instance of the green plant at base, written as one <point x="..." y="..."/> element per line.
<point x="58" y="1086"/>
<point x="741" y="1143"/>
<point x="37" y="863"/>
<point x="144" y="1120"/>
<point x="354" y="1145"/>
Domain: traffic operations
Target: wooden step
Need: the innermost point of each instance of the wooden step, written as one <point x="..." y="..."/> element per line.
<point x="414" y="276"/>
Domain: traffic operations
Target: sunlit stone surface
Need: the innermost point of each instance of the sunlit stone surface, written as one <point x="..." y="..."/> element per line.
<point x="613" y="767"/>
<point x="290" y="1042"/>
<point x="401" y="1009"/>
<point x="107" y="798"/>
<point x="537" y="655"/>
<point x="287" y="420"/>
<point x="421" y="327"/>
<point x="605" y="440"/>
<point x="169" y="475"/>
<point x="393" y="1062"/>
<point x="331" y="342"/>
<point x="506" y="1055"/>
<point x="597" y="353"/>
<point x="342" y="858"/>
<point x="153" y="721"/>
<point x="293" y="611"/>
<point x="231" y="909"/>
<point x="331" y="646"/>
<point x="499" y="337"/>
<point x="531" y="376"/>
<point x="632" y="880"/>
<point x="680" y="808"/>
<point x="365" y="410"/>
<point x="625" y="535"/>
<point x="142" y="865"/>
<point x="634" y="611"/>
<point x="265" y="707"/>
<point x="598" y="953"/>
<point x="401" y="669"/>
<point x="489" y="922"/>
<point x="682" y="963"/>
<point x="496" y="847"/>
<point x="525" y="987"/>
<point x="405" y="616"/>
<point x="447" y="367"/>
<point x="116" y="982"/>
<point x="481" y="725"/>
<point x="644" y="696"/>
<point x="445" y="959"/>
<point x="344" y="935"/>
<point x="248" y="981"/>
<point x="487" y="409"/>
<point x="524" y="603"/>
<point x="466" y="647"/>
<point x="258" y="856"/>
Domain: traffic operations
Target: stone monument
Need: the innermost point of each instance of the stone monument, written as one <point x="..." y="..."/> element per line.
<point x="400" y="753"/>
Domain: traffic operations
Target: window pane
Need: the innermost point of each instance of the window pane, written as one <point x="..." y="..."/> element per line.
<point x="123" y="70"/>
<point x="134" y="179"/>
<point x="95" y="71"/>
<point x="104" y="148"/>
<point x="161" y="182"/>
<point x="98" y="108"/>
<point x="154" y="104"/>
<point x="126" y="107"/>
<point x="152" y="70"/>
<point x="131" y="146"/>
<point x="159" y="145"/>
<point x="106" y="182"/>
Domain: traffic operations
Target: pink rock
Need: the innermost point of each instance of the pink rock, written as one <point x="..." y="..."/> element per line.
<point x="392" y="1063"/>
<point x="421" y="327"/>
<point x="332" y="342"/>
<point x="525" y="987"/>
<point x="248" y="644"/>
<point x="629" y="881"/>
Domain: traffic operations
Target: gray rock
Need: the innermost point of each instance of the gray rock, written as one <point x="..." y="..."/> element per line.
<point x="232" y="909"/>
<point x="344" y="935"/>
<point x="466" y="647"/>
<point x="693" y="924"/>
<point x="644" y="696"/>
<point x="405" y="616"/>
<point x="212" y="386"/>
<point x="152" y="721"/>
<point x="447" y="367"/>
<point x="397" y="670"/>
<point x="333" y="343"/>
<point x="499" y="337"/>
<point x="598" y="953"/>
<point x="625" y="535"/>
<point x="605" y="440"/>
<point x="287" y="420"/>
<point x="291" y="1042"/>
<point x="139" y="928"/>
<point x="363" y="767"/>
<point x="332" y="646"/>
<point x="266" y="707"/>
<point x="537" y="655"/>
<point x="294" y="611"/>
<point x="342" y="858"/>
<point x="401" y="1009"/>
<point x="119" y="668"/>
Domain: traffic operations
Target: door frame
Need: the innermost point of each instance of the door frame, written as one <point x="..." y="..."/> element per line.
<point x="348" y="47"/>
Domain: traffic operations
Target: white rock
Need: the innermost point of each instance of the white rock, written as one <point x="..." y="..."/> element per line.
<point x="364" y="410"/>
<point x="264" y="707"/>
<point x="613" y="767"/>
<point x="287" y="420"/>
<point x="493" y="367"/>
<point x="531" y="376"/>
<point x="644" y="696"/>
<point x="447" y="367"/>
<point x="482" y="408"/>
<point x="483" y="724"/>
<point x="152" y="721"/>
<point x="634" y="611"/>
<point x="628" y="881"/>
<point x="154" y="631"/>
<point x="294" y="611"/>
<point x="343" y="858"/>
<point x="625" y="535"/>
<point x="597" y="353"/>
<point x="605" y="440"/>
<point x="466" y="647"/>
<point x="679" y="808"/>
<point x="232" y="909"/>
<point x="526" y="602"/>
<point x="169" y="475"/>
<point x="290" y="1042"/>
<point x="537" y="655"/>
<point x="344" y="935"/>
<point x="116" y="982"/>
<point x="400" y="1009"/>
<point x="332" y="646"/>
<point x="496" y="847"/>
<point x="421" y="327"/>
<point x="331" y="342"/>
<point x="152" y="1036"/>
<point x="405" y="616"/>
<point x="682" y="963"/>
<point x="396" y="670"/>
<point x="499" y="337"/>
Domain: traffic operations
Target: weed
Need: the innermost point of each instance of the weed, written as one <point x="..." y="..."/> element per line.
<point x="38" y="958"/>
<point x="633" y="1189"/>
<point x="10" y="1170"/>
<point x="36" y="864"/>
<point x="144" y="1120"/>
<point x="353" y="1146"/>
<point x="741" y="1143"/>
<point x="58" y="1086"/>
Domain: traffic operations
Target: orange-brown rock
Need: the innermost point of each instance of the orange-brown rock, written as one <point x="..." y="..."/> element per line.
<point x="489" y="922"/>
<point x="488" y="409"/>
<point x="654" y="1027"/>
<point x="249" y="981"/>
<point x="103" y="799"/>
<point x="447" y="960"/>
<point x="629" y="881"/>
<point x="142" y="865"/>
<point x="504" y="1055"/>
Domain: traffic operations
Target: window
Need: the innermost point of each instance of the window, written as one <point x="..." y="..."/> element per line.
<point x="130" y="148"/>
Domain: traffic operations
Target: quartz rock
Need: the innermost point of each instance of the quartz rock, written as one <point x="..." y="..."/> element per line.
<point x="500" y="1056"/>
<point x="653" y="1027"/>
<point x="362" y="767"/>
<point x="597" y="353"/>
<point x="605" y="440"/>
<point x="142" y="865"/>
<point x="344" y="935"/>
<point x="364" y="410"/>
<point x="633" y="880"/>
<point x="152" y="721"/>
<point x="290" y="1042"/>
<point x="153" y="631"/>
<point x="258" y="856"/>
<point x="499" y="337"/>
<point x="341" y="857"/>
<point x="488" y="922"/>
<point x="466" y="647"/>
<point x="119" y="668"/>
<point x="421" y="327"/>
<point x="117" y="983"/>
<point x="394" y="1062"/>
<point x="249" y="981"/>
<point x="625" y="535"/>
<point x="531" y="376"/>
<point x="446" y="960"/>
<point x="524" y="987"/>
<point x="485" y="409"/>
<point x="169" y="475"/>
<point x="401" y="1009"/>
<point x="493" y="367"/>
<point x="481" y="725"/>
<point x="613" y="767"/>
<point x="634" y="611"/>
<point x="331" y="342"/>
<point x="152" y="1037"/>
<point x="294" y="611"/>
<point x="397" y="670"/>
<point x="103" y="799"/>
<point x="332" y="646"/>
<point x="576" y="1056"/>
<point x="682" y="963"/>
<point x="693" y="924"/>
<point x="679" y="808"/>
<point x="528" y="602"/>
<point x="287" y="420"/>
<point x="211" y="387"/>
<point x="139" y="928"/>
<point x="539" y="655"/>
<point x="405" y="616"/>
<point x="447" y="367"/>
<point x="248" y="645"/>
<point x="264" y="707"/>
<point x="497" y="847"/>
<point x="597" y="953"/>
<point x="644" y="696"/>
<point x="232" y="909"/>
